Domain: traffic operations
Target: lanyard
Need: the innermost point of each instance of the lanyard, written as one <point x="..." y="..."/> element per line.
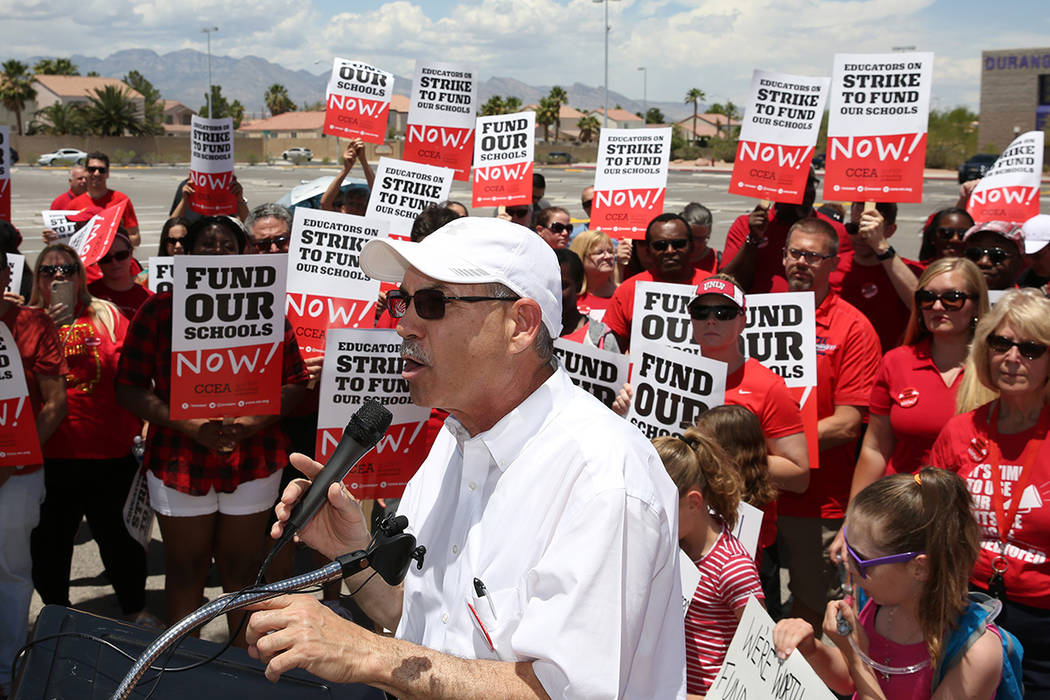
<point x="1005" y="521"/>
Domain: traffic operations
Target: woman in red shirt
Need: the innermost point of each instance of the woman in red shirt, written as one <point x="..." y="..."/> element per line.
<point x="596" y="252"/>
<point x="117" y="284"/>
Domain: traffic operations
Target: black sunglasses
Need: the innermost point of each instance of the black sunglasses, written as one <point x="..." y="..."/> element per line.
<point x="119" y="256"/>
<point x="430" y="303"/>
<point x="559" y="227"/>
<point x="722" y="313"/>
<point x="676" y="243"/>
<point x="97" y="169"/>
<point x="952" y="300"/>
<point x="1030" y="350"/>
<point x="587" y="203"/>
<point x="517" y="212"/>
<point x="264" y="244"/>
<point x="996" y="255"/>
<point x="51" y="270"/>
<point x="811" y="256"/>
<point x="946" y="233"/>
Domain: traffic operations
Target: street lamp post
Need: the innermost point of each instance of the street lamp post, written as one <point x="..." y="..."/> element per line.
<point x="645" y="94"/>
<point x="208" y="31"/>
<point x="605" y="116"/>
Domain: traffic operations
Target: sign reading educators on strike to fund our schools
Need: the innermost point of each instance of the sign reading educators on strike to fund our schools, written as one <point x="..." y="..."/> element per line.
<point x="19" y="444"/>
<point x="326" y="286"/>
<point x="503" y="154"/>
<point x="1010" y="190"/>
<point x="94" y="238"/>
<point x="777" y="136"/>
<point x="440" y="128"/>
<point x="630" y="180"/>
<point x="877" y="127"/>
<point x="161" y="273"/>
<point x="601" y="373"/>
<point x="227" y="335"/>
<point x="55" y="220"/>
<point x="211" y="166"/>
<point x="360" y="364"/>
<point x="752" y="669"/>
<point x="357" y="101"/>
<point x="404" y="189"/>
<point x="5" y="173"/>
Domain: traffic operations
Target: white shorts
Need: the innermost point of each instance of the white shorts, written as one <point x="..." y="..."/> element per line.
<point x="250" y="497"/>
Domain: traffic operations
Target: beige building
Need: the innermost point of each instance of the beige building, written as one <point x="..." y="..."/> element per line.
<point x="1015" y="95"/>
<point x="73" y="89"/>
<point x="177" y="117"/>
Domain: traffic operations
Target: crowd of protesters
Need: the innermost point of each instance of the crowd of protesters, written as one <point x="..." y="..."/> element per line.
<point x="931" y="405"/>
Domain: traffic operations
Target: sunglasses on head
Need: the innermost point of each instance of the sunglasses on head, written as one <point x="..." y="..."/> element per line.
<point x="119" y="256"/>
<point x="996" y="255"/>
<point x="946" y="233"/>
<point x="97" y="169"/>
<point x="1029" y="349"/>
<point x="52" y="270"/>
<point x="676" y="243"/>
<point x="722" y="313"/>
<point x="952" y="300"/>
<point x="430" y="303"/>
<point x="264" y="244"/>
<point x="862" y="564"/>
<point x="517" y="212"/>
<point x="559" y="227"/>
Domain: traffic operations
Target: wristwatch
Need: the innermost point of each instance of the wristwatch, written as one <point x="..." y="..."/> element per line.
<point x="887" y="254"/>
<point x="753" y="240"/>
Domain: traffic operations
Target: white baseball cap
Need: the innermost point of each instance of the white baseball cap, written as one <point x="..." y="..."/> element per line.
<point x="476" y="250"/>
<point x="1036" y="233"/>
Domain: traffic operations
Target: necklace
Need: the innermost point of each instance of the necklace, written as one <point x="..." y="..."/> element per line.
<point x="885" y="670"/>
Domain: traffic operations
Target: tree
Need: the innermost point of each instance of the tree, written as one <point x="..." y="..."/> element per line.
<point x="317" y="106"/>
<point x="558" y="97"/>
<point x="951" y="137"/>
<point x="58" y="119"/>
<point x="546" y="114"/>
<point x="55" y="66"/>
<point x="220" y="106"/>
<point x="654" y="116"/>
<point x="511" y="105"/>
<point x="237" y="112"/>
<point x="277" y="100"/>
<point x="588" y="126"/>
<point x="153" y="110"/>
<point x="493" y="105"/>
<point x="93" y="74"/>
<point x="694" y="95"/>
<point x="111" y="112"/>
<point x="16" y="88"/>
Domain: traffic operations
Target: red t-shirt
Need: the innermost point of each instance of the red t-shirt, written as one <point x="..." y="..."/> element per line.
<point x="848" y="356"/>
<point x="105" y="201"/>
<point x="909" y="389"/>
<point x="869" y="288"/>
<point x="595" y="307"/>
<point x="621" y="307"/>
<point x="708" y="263"/>
<point x="62" y="201"/>
<point x="763" y="392"/>
<point x="127" y="301"/>
<point x="1027" y="576"/>
<point x="769" y="268"/>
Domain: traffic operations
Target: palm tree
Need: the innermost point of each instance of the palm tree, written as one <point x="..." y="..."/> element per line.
<point x="16" y="88"/>
<point x="494" y="105"/>
<point x="55" y="66"/>
<point x="511" y="105"/>
<point x="694" y="95"/>
<point x="277" y="100"/>
<point x="558" y="97"/>
<point x="588" y="126"/>
<point x="546" y="114"/>
<point x="110" y="112"/>
<point x="58" y="119"/>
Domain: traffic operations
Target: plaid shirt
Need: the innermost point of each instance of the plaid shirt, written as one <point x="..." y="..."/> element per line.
<point x="179" y="461"/>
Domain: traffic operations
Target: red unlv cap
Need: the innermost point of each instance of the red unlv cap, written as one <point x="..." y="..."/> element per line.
<point x="84" y="214"/>
<point x="715" y="285"/>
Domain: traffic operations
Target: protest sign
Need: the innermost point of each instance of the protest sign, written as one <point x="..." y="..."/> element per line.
<point x="752" y="669"/>
<point x="357" y="101"/>
<point x="598" y="372"/>
<point x="326" y="286"/>
<point x="672" y="388"/>
<point x="5" y="173"/>
<point x="227" y="335"/>
<point x="364" y="363"/>
<point x="161" y="273"/>
<point x="440" y="128"/>
<point x="877" y="127"/>
<point x="19" y="444"/>
<point x="777" y="136"/>
<point x="211" y="166"/>
<point x="94" y="238"/>
<point x="504" y="150"/>
<point x="1010" y="190"/>
<point x="16" y="264"/>
<point x="55" y="219"/>
<point x="404" y="189"/>
<point x="630" y="180"/>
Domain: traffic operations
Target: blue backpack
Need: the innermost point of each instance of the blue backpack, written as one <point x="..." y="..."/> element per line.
<point x="981" y="612"/>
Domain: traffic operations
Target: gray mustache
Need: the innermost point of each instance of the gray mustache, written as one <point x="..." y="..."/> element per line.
<point x="413" y="350"/>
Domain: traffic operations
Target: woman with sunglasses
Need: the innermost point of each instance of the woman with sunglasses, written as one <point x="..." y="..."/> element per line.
<point x="942" y="236"/>
<point x="172" y="236"/>
<point x="912" y="540"/>
<point x="88" y="466"/>
<point x="597" y="252"/>
<point x="1001" y="450"/>
<point x="554" y="226"/>
<point x="117" y="284"/>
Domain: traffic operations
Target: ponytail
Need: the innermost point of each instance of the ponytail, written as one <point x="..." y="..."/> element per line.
<point x="696" y="461"/>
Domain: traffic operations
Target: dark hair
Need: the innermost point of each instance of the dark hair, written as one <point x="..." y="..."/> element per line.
<point x="539" y="181"/>
<point x="696" y="214"/>
<point x="661" y="218"/>
<point x="168" y="226"/>
<point x="813" y="224"/>
<point x="567" y="257"/>
<point x="429" y="220"/>
<point x="227" y="223"/>
<point x="3" y="258"/>
<point x="928" y="250"/>
<point x="10" y="237"/>
<point x="739" y="432"/>
<point x="448" y="203"/>
<point x="544" y="216"/>
<point x="888" y="211"/>
<point x="97" y="155"/>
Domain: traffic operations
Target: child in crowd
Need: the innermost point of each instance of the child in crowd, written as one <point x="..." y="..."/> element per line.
<point x="709" y="489"/>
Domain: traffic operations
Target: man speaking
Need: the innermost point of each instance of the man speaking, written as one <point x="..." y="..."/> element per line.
<point x="549" y="522"/>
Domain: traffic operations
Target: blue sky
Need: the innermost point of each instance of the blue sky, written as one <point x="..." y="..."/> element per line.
<point x="710" y="44"/>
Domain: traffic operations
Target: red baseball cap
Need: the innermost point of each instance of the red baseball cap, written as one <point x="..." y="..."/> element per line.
<point x="725" y="288"/>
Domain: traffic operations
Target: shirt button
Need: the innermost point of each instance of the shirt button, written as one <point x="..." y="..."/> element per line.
<point x="444" y="618"/>
<point x="455" y="549"/>
<point x="472" y="486"/>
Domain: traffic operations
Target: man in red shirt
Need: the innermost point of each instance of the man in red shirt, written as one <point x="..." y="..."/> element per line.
<point x="78" y="176"/>
<point x="98" y="194"/>
<point x="669" y="243"/>
<point x="699" y="219"/>
<point x="848" y="358"/>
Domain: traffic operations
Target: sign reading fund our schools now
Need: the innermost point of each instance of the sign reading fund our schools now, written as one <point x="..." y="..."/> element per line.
<point x="360" y="364"/>
<point x="357" y="101"/>
<point x="211" y="166"/>
<point x="161" y="273"/>
<point x="326" y="286"/>
<point x="877" y="127"/>
<point x="600" y="373"/>
<point x="672" y="388"/>
<point x="504" y="148"/>
<point x="777" y="136"/>
<point x="19" y="444"/>
<point x="1010" y="190"/>
<point x="630" y="180"/>
<point x="5" y="173"/>
<point x="440" y="128"/>
<point x="402" y="189"/>
<point x="227" y="335"/>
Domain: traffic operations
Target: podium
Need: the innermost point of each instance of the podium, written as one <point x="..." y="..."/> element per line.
<point x="75" y="668"/>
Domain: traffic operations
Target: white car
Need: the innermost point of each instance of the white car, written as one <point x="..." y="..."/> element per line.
<point x="297" y="154"/>
<point x="63" y="156"/>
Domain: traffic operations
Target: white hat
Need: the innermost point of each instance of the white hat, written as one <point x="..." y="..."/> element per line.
<point x="721" y="287"/>
<point x="1036" y="233"/>
<point x="476" y="250"/>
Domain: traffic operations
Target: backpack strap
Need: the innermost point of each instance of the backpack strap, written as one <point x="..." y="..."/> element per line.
<point x="971" y="626"/>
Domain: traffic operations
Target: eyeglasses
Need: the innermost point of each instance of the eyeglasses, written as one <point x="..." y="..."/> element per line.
<point x="263" y="245"/>
<point x="52" y="270"/>
<point x="722" y="313"/>
<point x="174" y="241"/>
<point x="1030" y="350"/>
<point x="97" y="169"/>
<point x="119" y="256"/>
<point x="946" y="233"/>
<point x="517" y="212"/>
<point x="559" y="227"/>
<point x="862" y="563"/>
<point x="811" y="256"/>
<point x="676" y="243"/>
<point x="996" y="255"/>
<point x="952" y="300"/>
<point x="430" y="303"/>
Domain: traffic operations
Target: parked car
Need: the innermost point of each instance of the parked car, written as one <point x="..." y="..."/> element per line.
<point x="976" y="167"/>
<point x="559" y="157"/>
<point x="297" y="154"/>
<point x="63" y="156"/>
